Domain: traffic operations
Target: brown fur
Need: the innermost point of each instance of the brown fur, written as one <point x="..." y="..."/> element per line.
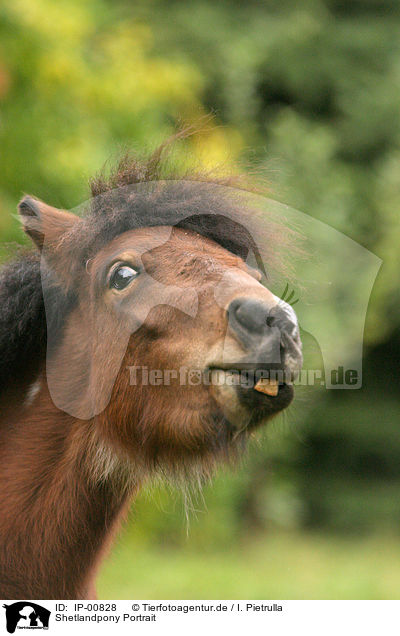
<point x="66" y="479"/>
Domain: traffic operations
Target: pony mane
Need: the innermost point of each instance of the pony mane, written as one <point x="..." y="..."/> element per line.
<point x="23" y="318"/>
<point x="131" y="169"/>
<point x="158" y="191"/>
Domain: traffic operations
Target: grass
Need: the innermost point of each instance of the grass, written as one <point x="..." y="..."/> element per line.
<point x="277" y="566"/>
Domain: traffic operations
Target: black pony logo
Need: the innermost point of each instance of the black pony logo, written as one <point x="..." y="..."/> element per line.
<point x="26" y="615"/>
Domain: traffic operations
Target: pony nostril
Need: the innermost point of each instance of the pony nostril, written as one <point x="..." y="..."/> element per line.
<point x="249" y="314"/>
<point x="259" y="326"/>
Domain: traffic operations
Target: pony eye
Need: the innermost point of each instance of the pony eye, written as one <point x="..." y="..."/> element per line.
<point x="122" y="276"/>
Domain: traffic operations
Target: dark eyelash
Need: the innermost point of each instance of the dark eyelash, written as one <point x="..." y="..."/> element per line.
<point x="288" y="295"/>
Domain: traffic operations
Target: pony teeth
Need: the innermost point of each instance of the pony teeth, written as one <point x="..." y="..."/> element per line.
<point x="270" y="387"/>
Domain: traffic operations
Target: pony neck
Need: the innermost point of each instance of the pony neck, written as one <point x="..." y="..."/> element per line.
<point x="55" y="517"/>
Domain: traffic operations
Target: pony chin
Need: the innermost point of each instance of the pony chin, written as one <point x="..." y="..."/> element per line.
<point x="188" y="448"/>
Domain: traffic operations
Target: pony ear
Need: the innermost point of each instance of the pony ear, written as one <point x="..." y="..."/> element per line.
<point x="43" y="223"/>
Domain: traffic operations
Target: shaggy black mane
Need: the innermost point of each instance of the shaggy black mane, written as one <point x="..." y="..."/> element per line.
<point x="153" y="192"/>
<point x="23" y="319"/>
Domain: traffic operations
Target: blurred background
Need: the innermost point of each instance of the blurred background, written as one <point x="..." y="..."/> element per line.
<point x="309" y="93"/>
